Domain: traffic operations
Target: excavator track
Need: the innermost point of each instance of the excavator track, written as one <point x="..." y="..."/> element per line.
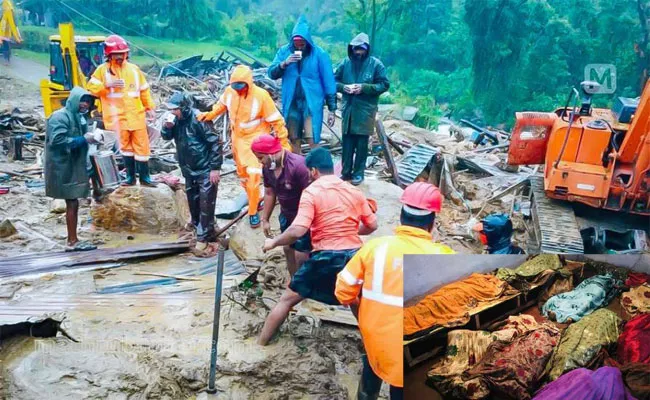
<point x="556" y="227"/>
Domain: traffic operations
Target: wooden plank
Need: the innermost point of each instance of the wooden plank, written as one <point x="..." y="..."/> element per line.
<point x="390" y="161"/>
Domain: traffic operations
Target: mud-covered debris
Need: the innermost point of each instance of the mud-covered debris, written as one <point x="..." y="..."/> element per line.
<point x="7" y="229"/>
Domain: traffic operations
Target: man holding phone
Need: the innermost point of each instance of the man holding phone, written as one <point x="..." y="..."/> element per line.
<point x="362" y="79"/>
<point x="307" y="84"/>
<point x="126" y="106"/>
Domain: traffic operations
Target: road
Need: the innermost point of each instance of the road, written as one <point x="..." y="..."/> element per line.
<point x="26" y="70"/>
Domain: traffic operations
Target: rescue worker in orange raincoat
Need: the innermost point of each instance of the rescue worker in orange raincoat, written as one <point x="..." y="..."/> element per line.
<point x="375" y="274"/>
<point x="252" y="113"/>
<point x="126" y="105"/>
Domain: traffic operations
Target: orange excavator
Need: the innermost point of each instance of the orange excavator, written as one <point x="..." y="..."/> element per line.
<point x="595" y="156"/>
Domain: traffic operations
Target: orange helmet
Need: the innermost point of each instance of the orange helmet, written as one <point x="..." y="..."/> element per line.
<point x="423" y="196"/>
<point x="115" y="44"/>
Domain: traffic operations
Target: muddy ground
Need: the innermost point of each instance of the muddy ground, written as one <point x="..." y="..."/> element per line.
<point x="154" y="344"/>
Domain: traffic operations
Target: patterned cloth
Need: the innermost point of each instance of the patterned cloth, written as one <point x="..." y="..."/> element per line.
<point x="464" y="349"/>
<point x="581" y="342"/>
<point x="515" y="369"/>
<point x="606" y="383"/>
<point x="531" y="269"/>
<point x="450" y="305"/>
<point x="634" y="343"/>
<point x="637" y="300"/>
<point x="591" y="294"/>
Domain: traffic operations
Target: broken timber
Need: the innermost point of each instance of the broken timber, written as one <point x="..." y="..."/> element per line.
<point x="390" y="161"/>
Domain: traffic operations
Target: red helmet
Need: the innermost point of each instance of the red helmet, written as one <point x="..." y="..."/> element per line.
<point x="424" y="196"/>
<point x="115" y="44"/>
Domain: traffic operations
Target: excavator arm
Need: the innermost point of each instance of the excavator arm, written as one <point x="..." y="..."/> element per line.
<point x="8" y="28"/>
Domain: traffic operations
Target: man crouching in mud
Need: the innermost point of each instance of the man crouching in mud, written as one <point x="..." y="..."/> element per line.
<point x="336" y="214"/>
<point x="66" y="151"/>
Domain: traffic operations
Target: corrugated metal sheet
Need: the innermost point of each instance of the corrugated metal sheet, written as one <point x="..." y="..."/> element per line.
<point x="415" y="162"/>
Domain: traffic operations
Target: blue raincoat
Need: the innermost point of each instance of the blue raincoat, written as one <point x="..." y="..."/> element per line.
<point x="315" y="73"/>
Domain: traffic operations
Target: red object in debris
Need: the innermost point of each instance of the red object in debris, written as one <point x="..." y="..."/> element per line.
<point x="4" y="189"/>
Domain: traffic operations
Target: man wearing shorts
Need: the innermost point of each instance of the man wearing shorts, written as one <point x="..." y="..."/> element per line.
<point x="285" y="177"/>
<point x="336" y="214"/>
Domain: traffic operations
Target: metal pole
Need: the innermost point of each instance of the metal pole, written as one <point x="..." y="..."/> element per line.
<point x="215" y="324"/>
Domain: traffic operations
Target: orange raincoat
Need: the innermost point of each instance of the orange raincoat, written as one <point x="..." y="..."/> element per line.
<point x="376" y="273"/>
<point x="250" y="116"/>
<point x="124" y="108"/>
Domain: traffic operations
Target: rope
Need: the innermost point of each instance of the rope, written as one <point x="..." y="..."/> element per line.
<point x="134" y="45"/>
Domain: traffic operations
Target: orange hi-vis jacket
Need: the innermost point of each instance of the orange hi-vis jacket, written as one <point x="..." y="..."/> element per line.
<point x="250" y="116"/>
<point x="376" y="273"/>
<point x="123" y="109"/>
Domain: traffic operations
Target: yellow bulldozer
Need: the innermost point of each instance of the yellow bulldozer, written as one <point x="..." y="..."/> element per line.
<point x="73" y="59"/>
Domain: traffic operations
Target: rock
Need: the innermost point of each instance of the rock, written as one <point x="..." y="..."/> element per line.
<point x="57" y="206"/>
<point x="182" y="207"/>
<point x="7" y="229"/>
<point x="389" y="207"/>
<point x="247" y="242"/>
<point x="138" y="209"/>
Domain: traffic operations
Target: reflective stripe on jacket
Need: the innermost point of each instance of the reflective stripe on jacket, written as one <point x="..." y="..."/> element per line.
<point x="124" y="108"/>
<point x="376" y="273"/>
<point x="250" y="116"/>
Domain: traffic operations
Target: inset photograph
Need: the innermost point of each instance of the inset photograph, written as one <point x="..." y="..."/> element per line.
<point x="527" y="327"/>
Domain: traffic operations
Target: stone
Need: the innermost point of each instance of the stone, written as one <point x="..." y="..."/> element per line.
<point x="7" y="229"/>
<point x="247" y="242"/>
<point x="138" y="209"/>
<point x="57" y="206"/>
<point x="182" y="207"/>
<point x="387" y="196"/>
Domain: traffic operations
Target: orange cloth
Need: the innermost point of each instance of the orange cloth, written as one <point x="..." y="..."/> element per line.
<point x="376" y="273"/>
<point x="250" y="116"/>
<point x="135" y="144"/>
<point x="450" y="305"/>
<point x="124" y="109"/>
<point x="333" y="209"/>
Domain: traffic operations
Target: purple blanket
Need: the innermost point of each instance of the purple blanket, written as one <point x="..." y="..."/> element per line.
<point x="605" y="383"/>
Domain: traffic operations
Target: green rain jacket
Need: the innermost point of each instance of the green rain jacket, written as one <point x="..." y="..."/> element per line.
<point x="359" y="110"/>
<point x="66" y="150"/>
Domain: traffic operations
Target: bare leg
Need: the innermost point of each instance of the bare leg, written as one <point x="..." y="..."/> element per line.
<point x="290" y="255"/>
<point x="71" y="217"/>
<point x="277" y="316"/>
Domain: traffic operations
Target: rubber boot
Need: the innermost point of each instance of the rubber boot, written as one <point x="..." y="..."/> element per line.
<point x="129" y="163"/>
<point x="143" y="171"/>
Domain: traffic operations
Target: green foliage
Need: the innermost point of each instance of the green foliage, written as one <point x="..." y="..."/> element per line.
<point x="477" y="59"/>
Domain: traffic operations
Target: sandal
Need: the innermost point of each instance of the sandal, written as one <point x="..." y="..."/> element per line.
<point x="81" y="246"/>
